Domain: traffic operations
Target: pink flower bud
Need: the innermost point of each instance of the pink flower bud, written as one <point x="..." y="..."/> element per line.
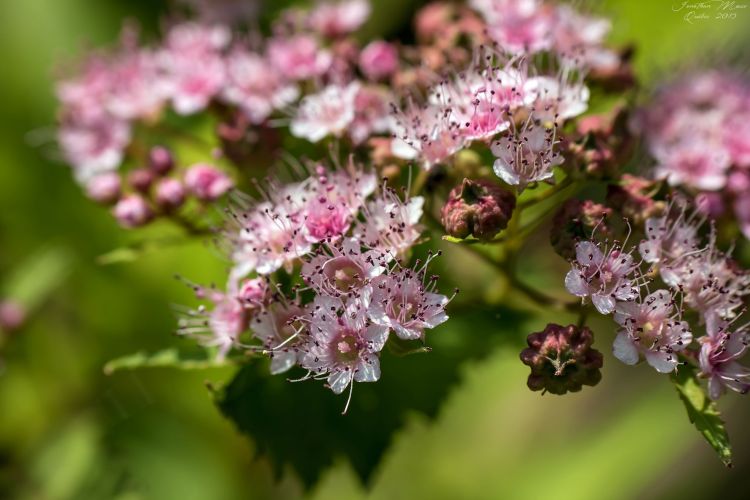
<point x="562" y="359"/>
<point x="479" y="207"/>
<point x="12" y="315"/>
<point x="170" y="194"/>
<point x="206" y="182"/>
<point x="104" y="188"/>
<point x="160" y="160"/>
<point x="378" y="60"/>
<point x="141" y="179"/>
<point x="132" y="211"/>
<point x="253" y="292"/>
<point x="575" y="221"/>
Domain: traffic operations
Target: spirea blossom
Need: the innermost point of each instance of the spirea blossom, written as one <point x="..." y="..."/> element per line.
<point x="526" y="155"/>
<point x="651" y="327"/>
<point x="605" y="275"/>
<point x="721" y="347"/>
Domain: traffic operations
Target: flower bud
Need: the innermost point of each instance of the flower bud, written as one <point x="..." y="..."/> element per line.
<point x="104" y="188"/>
<point x="562" y="359"/>
<point x="170" y="194"/>
<point x="575" y="221"/>
<point x="634" y="198"/>
<point x="12" y="316"/>
<point x="132" y="211"/>
<point x="206" y="182"/>
<point x="378" y="60"/>
<point x="141" y="179"/>
<point x="477" y="207"/>
<point x="160" y="160"/>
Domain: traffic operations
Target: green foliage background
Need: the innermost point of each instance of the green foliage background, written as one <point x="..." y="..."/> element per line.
<point x="68" y="431"/>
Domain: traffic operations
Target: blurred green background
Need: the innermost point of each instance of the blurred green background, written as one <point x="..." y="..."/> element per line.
<point x="68" y="431"/>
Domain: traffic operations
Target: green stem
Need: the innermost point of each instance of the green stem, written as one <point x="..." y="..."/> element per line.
<point x="545" y="195"/>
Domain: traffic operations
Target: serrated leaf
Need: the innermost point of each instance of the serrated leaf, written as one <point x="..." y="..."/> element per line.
<point x="300" y="424"/>
<point x="168" y="358"/>
<point x="703" y="412"/>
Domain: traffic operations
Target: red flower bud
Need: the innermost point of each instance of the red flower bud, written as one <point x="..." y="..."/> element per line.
<point x="562" y="359"/>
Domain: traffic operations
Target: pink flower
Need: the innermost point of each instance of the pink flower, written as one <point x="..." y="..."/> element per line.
<point x="254" y="292"/>
<point x="219" y="327"/>
<point x="650" y="327"/>
<point x="256" y="86"/>
<point x="267" y="235"/>
<point x="193" y="65"/>
<point x="280" y="329"/>
<point x="104" y="188"/>
<point x="378" y="60"/>
<point x="328" y="112"/>
<point x="671" y="236"/>
<point x="404" y="303"/>
<point x="695" y="163"/>
<point x="579" y="39"/>
<point x="132" y="211"/>
<point x="555" y="99"/>
<point x="337" y="18"/>
<point x="137" y="90"/>
<point x="605" y="276"/>
<point x="94" y="148"/>
<point x="526" y="155"/>
<point x="207" y="183"/>
<point x="298" y="57"/>
<point x="720" y="350"/>
<point x="341" y="269"/>
<point x="482" y="100"/>
<point x="371" y="113"/>
<point x="711" y="283"/>
<point x="391" y="226"/>
<point x="429" y="133"/>
<point x="518" y="26"/>
<point x="343" y="346"/>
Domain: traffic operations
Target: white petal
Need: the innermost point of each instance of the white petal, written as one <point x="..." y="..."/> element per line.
<point x="282" y="361"/>
<point x="377" y="335"/>
<point x="340" y="380"/>
<point x="603" y="303"/>
<point x="575" y="283"/>
<point x="662" y="361"/>
<point x="587" y="254"/>
<point x="624" y="349"/>
<point x="368" y="370"/>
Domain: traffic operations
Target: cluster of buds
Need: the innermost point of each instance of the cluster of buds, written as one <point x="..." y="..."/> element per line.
<point x="562" y="359"/>
<point x="157" y="189"/>
<point x="477" y="207"/>
<point x="601" y="144"/>
<point x="577" y="220"/>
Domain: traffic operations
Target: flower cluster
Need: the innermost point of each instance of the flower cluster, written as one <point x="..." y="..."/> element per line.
<point x="695" y="277"/>
<point x="697" y="131"/>
<point x="347" y="239"/>
<point x="491" y="103"/>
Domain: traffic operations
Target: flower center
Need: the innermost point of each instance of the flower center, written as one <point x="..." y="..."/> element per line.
<point x="344" y="274"/>
<point x="346" y="348"/>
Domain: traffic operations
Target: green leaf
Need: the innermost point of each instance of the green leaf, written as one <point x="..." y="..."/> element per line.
<point x="300" y="424"/>
<point x="168" y="358"/>
<point x="703" y="412"/>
